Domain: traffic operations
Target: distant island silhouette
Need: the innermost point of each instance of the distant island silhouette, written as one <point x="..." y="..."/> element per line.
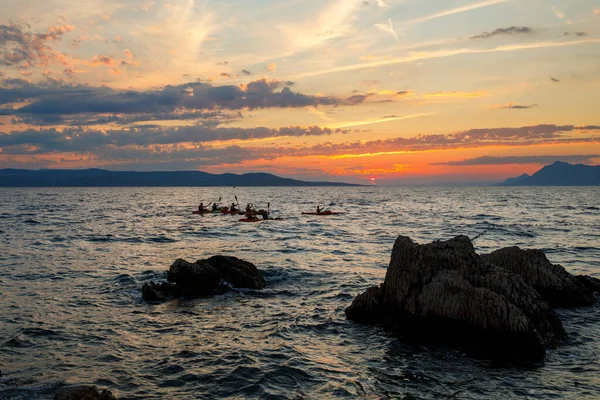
<point x="105" y="178"/>
<point x="559" y="174"/>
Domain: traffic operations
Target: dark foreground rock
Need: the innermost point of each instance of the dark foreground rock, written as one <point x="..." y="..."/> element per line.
<point x="592" y="284"/>
<point x="445" y="293"/>
<point x="558" y="287"/>
<point x="204" y="278"/>
<point x="84" y="393"/>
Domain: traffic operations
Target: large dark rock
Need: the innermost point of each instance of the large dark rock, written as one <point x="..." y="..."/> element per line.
<point x="204" y="278"/>
<point x="558" y="287"/>
<point x="444" y="292"/>
<point x="84" y="393"/>
<point x="592" y="284"/>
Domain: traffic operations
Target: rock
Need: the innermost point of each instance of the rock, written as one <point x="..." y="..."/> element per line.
<point x="161" y="291"/>
<point x="194" y="279"/>
<point x="592" y="284"/>
<point x="204" y="278"/>
<point x="558" y="287"/>
<point x="239" y="273"/>
<point x="84" y="393"/>
<point x="445" y="293"/>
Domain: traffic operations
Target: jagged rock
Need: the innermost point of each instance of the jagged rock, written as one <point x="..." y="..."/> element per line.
<point x="444" y="292"/>
<point x="558" y="287"/>
<point x="592" y="284"/>
<point x="84" y="393"/>
<point x="204" y="278"/>
<point x="240" y="273"/>
<point x="152" y="291"/>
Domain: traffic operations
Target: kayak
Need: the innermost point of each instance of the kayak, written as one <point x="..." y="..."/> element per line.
<point x="218" y="210"/>
<point x="322" y="213"/>
<point x="227" y="212"/>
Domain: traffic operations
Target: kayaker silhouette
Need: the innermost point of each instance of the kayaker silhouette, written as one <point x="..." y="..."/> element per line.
<point x="319" y="209"/>
<point x="201" y="207"/>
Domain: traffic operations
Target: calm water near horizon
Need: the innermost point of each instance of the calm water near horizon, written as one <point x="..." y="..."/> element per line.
<point x="72" y="261"/>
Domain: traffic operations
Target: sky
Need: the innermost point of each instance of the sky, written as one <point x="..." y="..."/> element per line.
<point x="363" y="91"/>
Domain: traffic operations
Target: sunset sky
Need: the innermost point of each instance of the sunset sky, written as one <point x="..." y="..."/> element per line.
<point x="399" y="91"/>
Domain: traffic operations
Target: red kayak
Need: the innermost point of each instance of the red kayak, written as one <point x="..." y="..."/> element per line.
<point x="322" y="213"/>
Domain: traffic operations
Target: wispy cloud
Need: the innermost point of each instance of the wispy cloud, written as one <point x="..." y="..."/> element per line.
<point x="455" y="95"/>
<point x="349" y="124"/>
<point x="419" y="56"/>
<point x="457" y="10"/>
<point x="559" y="14"/>
<point x="389" y="28"/>
<point x="514" y="106"/>
<point x="513" y="30"/>
<point x="540" y="160"/>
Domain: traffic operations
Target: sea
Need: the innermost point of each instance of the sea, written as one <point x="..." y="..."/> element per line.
<point x="73" y="260"/>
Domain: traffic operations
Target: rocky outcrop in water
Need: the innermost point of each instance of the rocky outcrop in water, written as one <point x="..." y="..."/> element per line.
<point x="204" y="278"/>
<point x="84" y="393"/>
<point x="444" y="292"/>
<point x="558" y="287"/>
<point x="592" y="284"/>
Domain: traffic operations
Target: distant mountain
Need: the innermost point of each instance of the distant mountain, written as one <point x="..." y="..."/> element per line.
<point x="99" y="177"/>
<point x="559" y="174"/>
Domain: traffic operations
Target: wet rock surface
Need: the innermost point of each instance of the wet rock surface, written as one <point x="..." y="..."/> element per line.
<point x="204" y="278"/>
<point x="498" y="304"/>
<point x="558" y="287"/>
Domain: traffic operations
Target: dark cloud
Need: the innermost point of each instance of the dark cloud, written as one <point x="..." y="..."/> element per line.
<point x="20" y="46"/>
<point x="225" y="75"/>
<point x="16" y="90"/>
<point x="516" y="106"/>
<point x="60" y="98"/>
<point x="162" y="146"/>
<point x="404" y="92"/>
<point x="554" y="80"/>
<point x="246" y="72"/>
<point x="89" y="140"/>
<point x="542" y="160"/>
<point x="577" y="34"/>
<point x="513" y="30"/>
<point x="205" y="118"/>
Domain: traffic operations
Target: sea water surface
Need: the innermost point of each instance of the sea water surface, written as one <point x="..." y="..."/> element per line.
<point x="72" y="261"/>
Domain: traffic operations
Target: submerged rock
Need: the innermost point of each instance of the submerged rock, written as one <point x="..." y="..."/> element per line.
<point x="444" y="292"/>
<point x="204" y="278"/>
<point x="84" y="393"/>
<point x="152" y="291"/>
<point x="558" y="287"/>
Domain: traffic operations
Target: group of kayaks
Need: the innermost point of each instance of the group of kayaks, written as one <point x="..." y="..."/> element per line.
<point x="252" y="215"/>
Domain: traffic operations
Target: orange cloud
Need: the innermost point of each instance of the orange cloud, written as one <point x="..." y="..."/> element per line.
<point x="147" y="6"/>
<point x="272" y="67"/>
<point x="454" y="95"/>
<point x="101" y="60"/>
<point x="128" y="53"/>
